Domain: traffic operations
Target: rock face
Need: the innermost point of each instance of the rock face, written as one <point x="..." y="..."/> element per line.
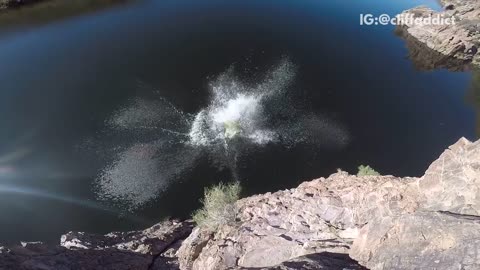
<point x="340" y="222"/>
<point x="153" y="248"/>
<point x="422" y="240"/>
<point x="444" y="232"/>
<point x="461" y="40"/>
<point x="383" y="222"/>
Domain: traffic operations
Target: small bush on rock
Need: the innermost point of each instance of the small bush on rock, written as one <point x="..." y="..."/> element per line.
<point x="366" y="170"/>
<point x="218" y="206"/>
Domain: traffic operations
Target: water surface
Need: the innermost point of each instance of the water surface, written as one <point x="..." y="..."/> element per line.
<point x="66" y="84"/>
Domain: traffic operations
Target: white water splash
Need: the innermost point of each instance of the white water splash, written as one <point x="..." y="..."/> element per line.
<point x="168" y="142"/>
<point x="236" y="110"/>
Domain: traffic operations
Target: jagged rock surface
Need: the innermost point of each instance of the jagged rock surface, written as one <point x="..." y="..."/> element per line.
<point x="461" y="40"/>
<point x="365" y="217"/>
<point x="444" y="233"/>
<point x="422" y="240"/>
<point x="318" y="216"/>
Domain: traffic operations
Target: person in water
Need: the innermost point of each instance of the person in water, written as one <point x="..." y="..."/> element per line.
<point x="232" y="129"/>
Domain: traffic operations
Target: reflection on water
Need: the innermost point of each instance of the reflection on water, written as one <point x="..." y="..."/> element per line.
<point x="424" y="58"/>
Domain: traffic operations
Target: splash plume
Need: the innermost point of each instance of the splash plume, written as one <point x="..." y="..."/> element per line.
<point x="167" y="142"/>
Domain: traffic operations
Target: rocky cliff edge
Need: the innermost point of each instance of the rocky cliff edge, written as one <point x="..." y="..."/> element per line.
<point x="340" y="222"/>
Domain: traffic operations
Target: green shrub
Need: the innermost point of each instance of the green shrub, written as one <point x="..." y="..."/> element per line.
<point x="218" y="206"/>
<point x="366" y="170"/>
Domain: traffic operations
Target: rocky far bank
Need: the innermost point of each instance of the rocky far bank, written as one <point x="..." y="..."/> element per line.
<point x="340" y="222"/>
<point x="460" y="41"/>
<point x="4" y="4"/>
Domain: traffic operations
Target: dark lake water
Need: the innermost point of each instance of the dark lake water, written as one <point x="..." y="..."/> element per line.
<point x="115" y="119"/>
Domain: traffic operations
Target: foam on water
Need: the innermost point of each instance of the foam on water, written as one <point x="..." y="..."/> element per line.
<point x="163" y="142"/>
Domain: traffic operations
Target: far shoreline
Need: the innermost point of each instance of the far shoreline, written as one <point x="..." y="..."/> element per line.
<point x="33" y="12"/>
<point x="11" y="4"/>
